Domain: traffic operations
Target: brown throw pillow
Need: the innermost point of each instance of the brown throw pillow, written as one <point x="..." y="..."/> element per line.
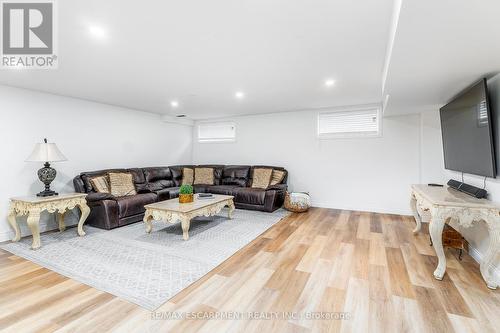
<point x="187" y="176"/>
<point x="121" y="184"/>
<point x="100" y="184"/>
<point x="261" y="178"/>
<point x="277" y="176"/>
<point x="204" y="176"/>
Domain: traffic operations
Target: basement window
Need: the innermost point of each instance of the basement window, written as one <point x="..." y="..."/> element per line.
<point x="217" y="132"/>
<point x="348" y="123"/>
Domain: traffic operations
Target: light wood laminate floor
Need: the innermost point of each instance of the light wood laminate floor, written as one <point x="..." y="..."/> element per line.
<point x="324" y="262"/>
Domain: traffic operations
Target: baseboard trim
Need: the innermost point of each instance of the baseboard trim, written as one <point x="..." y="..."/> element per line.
<point x="6" y="236"/>
<point x="478" y="257"/>
<point x="362" y="209"/>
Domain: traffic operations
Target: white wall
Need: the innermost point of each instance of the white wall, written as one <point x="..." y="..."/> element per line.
<point x="91" y="135"/>
<point x="369" y="174"/>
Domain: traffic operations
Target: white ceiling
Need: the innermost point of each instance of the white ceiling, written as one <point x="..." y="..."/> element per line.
<point x="440" y="48"/>
<point x="278" y="52"/>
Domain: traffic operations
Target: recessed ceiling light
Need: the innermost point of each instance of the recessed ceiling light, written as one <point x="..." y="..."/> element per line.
<point x="174" y="104"/>
<point x="239" y="94"/>
<point x="97" y="32"/>
<point x="329" y="82"/>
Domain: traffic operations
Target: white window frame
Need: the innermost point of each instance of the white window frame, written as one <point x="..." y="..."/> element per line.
<point x="348" y="135"/>
<point x="215" y="140"/>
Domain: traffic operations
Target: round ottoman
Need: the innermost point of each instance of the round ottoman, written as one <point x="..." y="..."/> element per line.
<point x="297" y="202"/>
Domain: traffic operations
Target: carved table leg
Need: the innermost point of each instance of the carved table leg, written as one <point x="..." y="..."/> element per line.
<point x="60" y="216"/>
<point x="436" y="230"/>
<point x="13" y="223"/>
<point x="489" y="258"/>
<point x="413" y="205"/>
<point x="185" y="222"/>
<point x="85" y="213"/>
<point x="33" y="224"/>
<point x="231" y="209"/>
<point x="148" y="217"/>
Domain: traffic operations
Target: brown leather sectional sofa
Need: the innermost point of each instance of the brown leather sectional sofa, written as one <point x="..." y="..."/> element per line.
<point x="162" y="183"/>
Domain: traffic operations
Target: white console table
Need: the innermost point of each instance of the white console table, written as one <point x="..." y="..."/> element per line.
<point x="445" y="205"/>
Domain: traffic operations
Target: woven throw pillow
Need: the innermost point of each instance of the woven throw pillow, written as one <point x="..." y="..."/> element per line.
<point x="203" y="176"/>
<point x="100" y="184"/>
<point x="277" y="176"/>
<point x="121" y="184"/>
<point x="261" y="178"/>
<point x="187" y="176"/>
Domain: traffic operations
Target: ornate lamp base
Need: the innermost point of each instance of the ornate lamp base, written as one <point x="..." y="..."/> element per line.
<point x="46" y="176"/>
<point x="46" y="193"/>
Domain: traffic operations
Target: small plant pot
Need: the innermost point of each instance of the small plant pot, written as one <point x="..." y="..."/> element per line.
<point x="185" y="198"/>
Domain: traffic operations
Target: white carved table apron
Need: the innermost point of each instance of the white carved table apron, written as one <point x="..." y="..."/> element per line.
<point x="34" y="206"/>
<point x="171" y="216"/>
<point x="462" y="214"/>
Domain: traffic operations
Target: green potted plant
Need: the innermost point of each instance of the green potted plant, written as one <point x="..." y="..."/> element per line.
<point x="186" y="194"/>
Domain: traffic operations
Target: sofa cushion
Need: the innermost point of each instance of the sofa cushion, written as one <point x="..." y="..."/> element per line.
<point x="140" y="182"/>
<point x="200" y="188"/>
<point x="283" y="181"/>
<point x="217" y="169"/>
<point x="86" y="176"/>
<point x="261" y="178"/>
<point x="121" y="184"/>
<point x="163" y="194"/>
<point x="187" y="176"/>
<point x="223" y="189"/>
<point x="236" y="175"/>
<point x="160" y="184"/>
<point x="249" y="195"/>
<point x="277" y="176"/>
<point x="158" y="178"/>
<point x="101" y="184"/>
<point x="173" y="192"/>
<point x="134" y="204"/>
<point x="204" y="176"/>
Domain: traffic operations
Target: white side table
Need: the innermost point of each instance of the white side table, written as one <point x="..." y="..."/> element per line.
<point x="33" y="206"/>
<point x="446" y="205"/>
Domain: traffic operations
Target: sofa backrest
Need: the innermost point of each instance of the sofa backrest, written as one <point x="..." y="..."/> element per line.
<point x="158" y="178"/>
<point x="139" y="179"/>
<point x="82" y="183"/>
<point x="236" y="175"/>
<point x="176" y="171"/>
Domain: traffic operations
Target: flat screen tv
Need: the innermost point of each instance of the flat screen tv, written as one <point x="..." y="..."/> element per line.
<point x="466" y="126"/>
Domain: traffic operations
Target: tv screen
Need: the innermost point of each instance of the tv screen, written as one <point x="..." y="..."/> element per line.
<point x="467" y="132"/>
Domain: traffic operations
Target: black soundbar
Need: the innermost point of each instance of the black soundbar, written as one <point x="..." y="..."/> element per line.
<point x="477" y="192"/>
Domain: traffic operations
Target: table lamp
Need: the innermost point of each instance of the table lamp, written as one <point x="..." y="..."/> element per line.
<point x="46" y="152"/>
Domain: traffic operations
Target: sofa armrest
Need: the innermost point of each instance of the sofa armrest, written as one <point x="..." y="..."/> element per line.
<point x="104" y="213"/>
<point x="94" y="197"/>
<point x="277" y="187"/>
<point x="274" y="198"/>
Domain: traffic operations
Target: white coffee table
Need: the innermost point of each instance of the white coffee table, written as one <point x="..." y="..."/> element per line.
<point x="172" y="211"/>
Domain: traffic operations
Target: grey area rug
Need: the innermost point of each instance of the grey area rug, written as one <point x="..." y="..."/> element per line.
<point x="146" y="269"/>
